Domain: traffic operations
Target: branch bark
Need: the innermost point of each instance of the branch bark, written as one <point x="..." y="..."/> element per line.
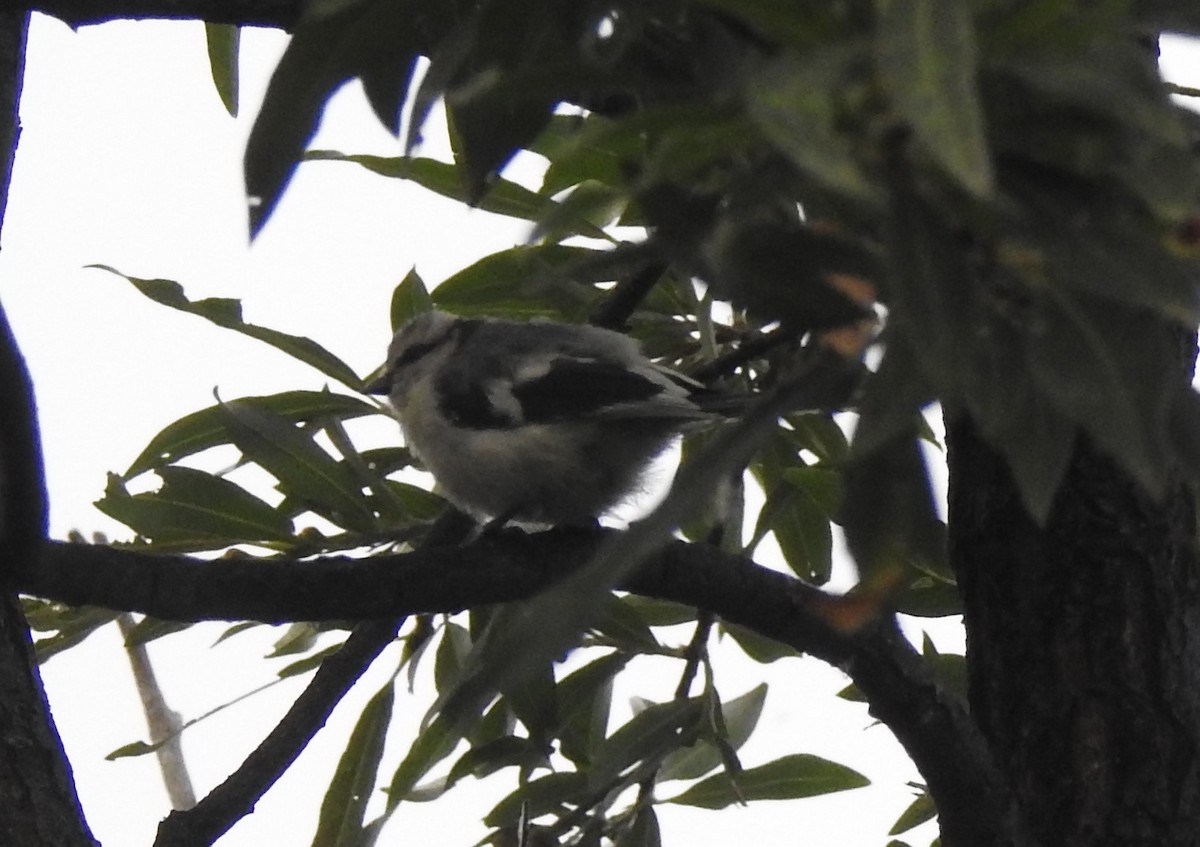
<point x="933" y="727"/>
<point x="38" y="804"/>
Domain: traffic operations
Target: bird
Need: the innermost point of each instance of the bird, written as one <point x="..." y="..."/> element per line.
<point x="537" y="422"/>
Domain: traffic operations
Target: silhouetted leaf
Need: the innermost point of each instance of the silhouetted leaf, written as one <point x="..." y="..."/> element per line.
<point x="798" y="775"/>
<point x="345" y="802"/>
<point x="223" y="42"/>
<point x="227" y="313"/>
<point x="648" y="736"/>
<point x="740" y="716"/>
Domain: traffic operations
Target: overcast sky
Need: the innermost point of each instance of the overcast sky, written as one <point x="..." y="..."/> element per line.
<point x="128" y="159"/>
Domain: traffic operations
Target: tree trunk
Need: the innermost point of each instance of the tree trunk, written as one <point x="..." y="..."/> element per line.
<point x="1083" y="644"/>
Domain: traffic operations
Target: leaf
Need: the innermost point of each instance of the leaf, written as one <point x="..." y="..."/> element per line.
<point x="921" y="810"/>
<point x="540" y="796"/>
<point x="789" y="100"/>
<point x="227" y="313"/>
<point x="304" y="470"/>
<point x="740" y="716"/>
<point x="622" y="624"/>
<point x="194" y="505"/>
<point x="648" y="736"/>
<point x="223" y="42"/>
<point x="584" y="703"/>
<point x="210" y="427"/>
<point x="787" y="778"/>
<point x="371" y="39"/>
<point x="643" y="831"/>
<point x="926" y="54"/>
<point x="758" y="647"/>
<point x="345" y="802"/>
<point x="527" y="281"/>
<point x="409" y="299"/>
<point x="435" y="742"/>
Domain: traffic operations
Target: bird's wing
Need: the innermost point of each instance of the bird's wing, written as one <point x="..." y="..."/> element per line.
<point x="576" y="388"/>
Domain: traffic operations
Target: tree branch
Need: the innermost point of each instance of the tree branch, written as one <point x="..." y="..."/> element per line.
<point x="236" y="797"/>
<point x="273" y="13"/>
<point x="933" y="727"/>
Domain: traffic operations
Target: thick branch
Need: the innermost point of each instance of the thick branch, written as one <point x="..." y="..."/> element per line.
<point x="273" y="13"/>
<point x="512" y="566"/>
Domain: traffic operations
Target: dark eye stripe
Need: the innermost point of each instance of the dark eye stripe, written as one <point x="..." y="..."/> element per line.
<point x="415" y="352"/>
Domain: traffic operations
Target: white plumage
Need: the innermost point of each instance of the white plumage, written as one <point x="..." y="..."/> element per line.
<point x="541" y="422"/>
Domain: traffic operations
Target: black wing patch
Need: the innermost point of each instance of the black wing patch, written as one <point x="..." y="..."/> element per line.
<point x="575" y="388"/>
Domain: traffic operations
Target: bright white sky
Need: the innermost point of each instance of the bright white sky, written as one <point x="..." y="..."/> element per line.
<point x="127" y="158"/>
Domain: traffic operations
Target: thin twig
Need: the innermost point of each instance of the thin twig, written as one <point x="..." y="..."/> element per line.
<point x="163" y="722"/>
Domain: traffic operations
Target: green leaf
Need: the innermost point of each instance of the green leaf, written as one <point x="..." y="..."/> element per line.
<point x="648" y="736"/>
<point x="921" y="810"/>
<point x="543" y="795"/>
<point x="210" y="427"/>
<point x="341" y="820"/>
<point x="371" y="39"/>
<point x="740" y="716"/>
<point x="789" y="99"/>
<point x="223" y="42"/>
<point x="305" y="471"/>
<point x="435" y="742"/>
<point x="926" y="51"/>
<point x="758" y="647"/>
<point x="787" y="778"/>
<point x="409" y="299"/>
<point x="584" y="704"/>
<point x="503" y="198"/>
<point x="643" y="831"/>
<point x="621" y="623"/>
<point x="194" y="505"/>
<point x="227" y="313"/>
<point x="527" y="281"/>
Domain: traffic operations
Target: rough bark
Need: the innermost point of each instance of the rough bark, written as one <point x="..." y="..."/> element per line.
<point x="1084" y="646"/>
<point x="38" y="804"/>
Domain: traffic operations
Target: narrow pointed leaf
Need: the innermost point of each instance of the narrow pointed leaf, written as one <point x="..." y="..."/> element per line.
<point x="223" y="42"/>
<point x="649" y="735"/>
<point x="740" y="717"/>
<point x="227" y="313"/>
<point x="341" y="820"/>
<point x="787" y="778"/>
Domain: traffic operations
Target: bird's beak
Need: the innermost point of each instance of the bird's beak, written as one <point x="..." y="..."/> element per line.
<point x="381" y="383"/>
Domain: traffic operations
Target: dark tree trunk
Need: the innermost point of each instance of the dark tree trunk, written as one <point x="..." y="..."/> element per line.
<point x="1083" y="644"/>
<point x="38" y="804"/>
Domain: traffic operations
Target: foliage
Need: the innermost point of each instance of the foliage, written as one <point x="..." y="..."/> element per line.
<point x="1006" y="186"/>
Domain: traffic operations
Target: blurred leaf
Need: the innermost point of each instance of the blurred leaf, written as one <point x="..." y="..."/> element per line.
<point x="789" y="99"/>
<point x="921" y="810"/>
<point x="926" y="53"/>
<point x="223" y="41"/>
<point x="435" y="742"/>
<point x="740" y="716"/>
<point x="657" y="612"/>
<point x="194" y="505"/>
<point x="345" y="802"/>
<point x="643" y="831"/>
<point x="798" y="775"/>
<point x="371" y="39"/>
<point x="585" y="700"/>
<point x="543" y="795"/>
<point x="888" y="511"/>
<point x="758" y="647"/>
<point x="227" y="313"/>
<point x="304" y="470"/>
<point x="71" y="625"/>
<point x="486" y="759"/>
<point x="533" y="700"/>
<point x="149" y="629"/>
<point x="503" y="198"/>
<point x="648" y="736"/>
<point x="210" y="427"/>
<point x="297" y="637"/>
<point x="452" y="649"/>
<point x="801" y="529"/>
<point x="621" y="623"/>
